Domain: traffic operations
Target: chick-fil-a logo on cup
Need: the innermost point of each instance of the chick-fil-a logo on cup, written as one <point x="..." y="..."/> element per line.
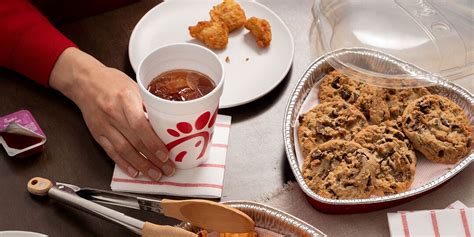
<point x="186" y="127"/>
<point x="198" y="133"/>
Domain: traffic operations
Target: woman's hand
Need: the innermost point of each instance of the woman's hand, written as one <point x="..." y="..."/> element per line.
<point x="112" y="108"/>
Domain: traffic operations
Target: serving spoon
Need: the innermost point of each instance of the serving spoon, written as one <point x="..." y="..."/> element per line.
<point x="202" y="213"/>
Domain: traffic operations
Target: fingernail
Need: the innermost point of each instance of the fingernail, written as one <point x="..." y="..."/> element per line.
<point x="168" y="169"/>
<point x="161" y="156"/>
<point x="132" y="172"/>
<point x="154" y="174"/>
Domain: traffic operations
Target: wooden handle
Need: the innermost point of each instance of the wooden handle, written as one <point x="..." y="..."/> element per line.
<point x="209" y="215"/>
<point x="152" y="230"/>
<point x="39" y="186"/>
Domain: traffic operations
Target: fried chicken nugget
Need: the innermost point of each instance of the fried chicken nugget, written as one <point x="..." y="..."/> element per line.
<point x="261" y="30"/>
<point x="214" y="34"/>
<point x="230" y="13"/>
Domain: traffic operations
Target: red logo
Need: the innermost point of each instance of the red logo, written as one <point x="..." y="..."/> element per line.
<point x="185" y="132"/>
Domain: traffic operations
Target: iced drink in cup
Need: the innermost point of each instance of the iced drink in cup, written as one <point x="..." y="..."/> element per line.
<point x="181" y="85"/>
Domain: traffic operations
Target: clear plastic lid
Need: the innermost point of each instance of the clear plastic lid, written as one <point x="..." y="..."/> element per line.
<point x="436" y="36"/>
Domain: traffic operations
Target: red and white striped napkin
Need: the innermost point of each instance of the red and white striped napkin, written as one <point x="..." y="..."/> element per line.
<point x="456" y="220"/>
<point x="206" y="180"/>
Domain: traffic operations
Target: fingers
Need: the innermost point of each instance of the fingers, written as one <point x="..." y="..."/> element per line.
<point x="124" y="149"/>
<point x="167" y="167"/>
<point x="121" y="163"/>
<point x="132" y="109"/>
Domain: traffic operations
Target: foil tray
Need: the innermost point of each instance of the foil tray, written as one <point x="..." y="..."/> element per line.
<point x="315" y="72"/>
<point x="269" y="218"/>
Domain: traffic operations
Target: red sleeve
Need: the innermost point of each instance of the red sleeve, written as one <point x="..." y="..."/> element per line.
<point x="29" y="44"/>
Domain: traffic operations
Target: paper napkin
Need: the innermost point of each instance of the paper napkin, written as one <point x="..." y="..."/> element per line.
<point x="206" y="180"/>
<point x="455" y="220"/>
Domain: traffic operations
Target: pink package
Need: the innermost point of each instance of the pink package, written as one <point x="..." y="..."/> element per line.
<point x="21" y="135"/>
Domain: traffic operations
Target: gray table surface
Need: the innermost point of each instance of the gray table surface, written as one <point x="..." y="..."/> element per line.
<point x="256" y="160"/>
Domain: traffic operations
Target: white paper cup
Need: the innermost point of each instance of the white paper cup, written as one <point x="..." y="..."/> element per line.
<point x="186" y="127"/>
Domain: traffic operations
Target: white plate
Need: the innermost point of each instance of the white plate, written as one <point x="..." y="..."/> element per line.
<point x="245" y="81"/>
<point x="20" y="234"/>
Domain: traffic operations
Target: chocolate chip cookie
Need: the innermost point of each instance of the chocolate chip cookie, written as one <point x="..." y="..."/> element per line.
<point x="340" y="170"/>
<point x="368" y="99"/>
<point x="337" y="86"/>
<point x="396" y="124"/>
<point x="395" y="158"/>
<point x="328" y="121"/>
<point x="438" y="128"/>
<point x="372" y="104"/>
<point x="398" y="99"/>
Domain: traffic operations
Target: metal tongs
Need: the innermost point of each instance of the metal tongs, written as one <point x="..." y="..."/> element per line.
<point x="202" y="213"/>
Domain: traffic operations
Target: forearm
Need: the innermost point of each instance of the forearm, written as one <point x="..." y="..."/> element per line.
<point x="72" y="71"/>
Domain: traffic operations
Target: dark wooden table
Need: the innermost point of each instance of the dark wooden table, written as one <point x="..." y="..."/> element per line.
<point x="256" y="161"/>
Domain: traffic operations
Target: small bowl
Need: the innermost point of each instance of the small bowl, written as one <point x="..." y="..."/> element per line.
<point x="315" y="72"/>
